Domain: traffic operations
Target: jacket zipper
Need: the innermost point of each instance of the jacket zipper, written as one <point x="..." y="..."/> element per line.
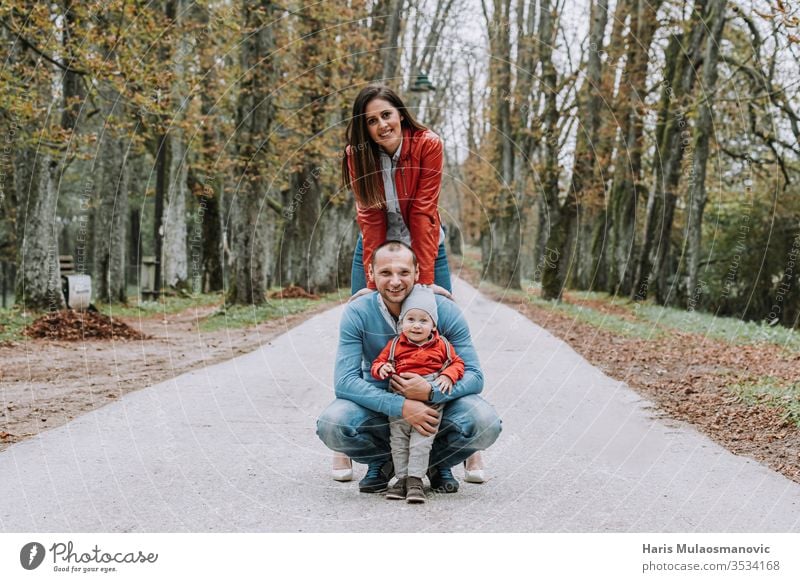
<point x="403" y="180"/>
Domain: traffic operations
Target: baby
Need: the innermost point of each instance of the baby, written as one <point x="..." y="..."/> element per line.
<point x="420" y="349"/>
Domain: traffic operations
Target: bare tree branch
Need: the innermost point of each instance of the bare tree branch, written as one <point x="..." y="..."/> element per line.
<point x="29" y="44"/>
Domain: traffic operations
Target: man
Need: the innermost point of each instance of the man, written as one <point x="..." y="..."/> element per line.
<point x="356" y="423"/>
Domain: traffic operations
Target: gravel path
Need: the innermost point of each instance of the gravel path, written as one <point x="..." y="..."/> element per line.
<point x="231" y="447"/>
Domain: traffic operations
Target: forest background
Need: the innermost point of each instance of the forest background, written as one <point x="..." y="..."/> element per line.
<point x="645" y="148"/>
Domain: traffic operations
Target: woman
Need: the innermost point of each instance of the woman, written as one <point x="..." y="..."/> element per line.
<point x="393" y="165"/>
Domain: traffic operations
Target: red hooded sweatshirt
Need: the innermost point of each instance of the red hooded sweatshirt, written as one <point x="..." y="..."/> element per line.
<point x="420" y="359"/>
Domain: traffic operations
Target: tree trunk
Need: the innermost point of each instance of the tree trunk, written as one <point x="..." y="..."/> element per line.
<point x="10" y="127"/>
<point x="674" y="63"/>
<point x="174" y="253"/>
<point x="680" y="143"/>
<point x="71" y="83"/>
<point x="255" y="117"/>
<point x="160" y="155"/>
<point x="211" y="207"/>
<point x="671" y="133"/>
<point x="311" y="239"/>
<point x="525" y="147"/>
<point x="702" y="133"/>
<point x="135" y="242"/>
<point x="550" y="262"/>
<point x="390" y="48"/>
<point x="585" y="197"/>
<point x="38" y="284"/>
<point x="596" y="224"/>
<point x="501" y="238"/>
<point x="311" y="229"/>
<point x="212" y="243"/>
<point x="297" y="244"/>
<point x="626" y="186"/>
<point x="36" y="173"/>
<point x="111" y="214"/>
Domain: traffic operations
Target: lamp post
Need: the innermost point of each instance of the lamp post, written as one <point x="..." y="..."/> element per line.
<point x="422" y="84"/>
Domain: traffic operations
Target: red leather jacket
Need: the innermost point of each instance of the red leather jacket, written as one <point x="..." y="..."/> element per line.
<point x="418" y="180"/>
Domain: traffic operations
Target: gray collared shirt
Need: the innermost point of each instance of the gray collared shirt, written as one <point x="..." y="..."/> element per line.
<point x="396" y="228"/>
<point x="388" y="317"/>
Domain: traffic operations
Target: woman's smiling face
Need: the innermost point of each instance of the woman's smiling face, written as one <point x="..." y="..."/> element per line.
<point x="383" y="124"/>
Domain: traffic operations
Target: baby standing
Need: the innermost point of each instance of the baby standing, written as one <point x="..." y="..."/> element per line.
<point x="419" y="349"/>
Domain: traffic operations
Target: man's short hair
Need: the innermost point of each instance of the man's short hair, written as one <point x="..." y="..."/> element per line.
<point x="394" y="245"/>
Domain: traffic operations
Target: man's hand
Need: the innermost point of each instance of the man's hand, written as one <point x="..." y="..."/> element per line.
<point x="412" y="386"/>
<point x="423" y="418"/>
<point x="444" y="383"/>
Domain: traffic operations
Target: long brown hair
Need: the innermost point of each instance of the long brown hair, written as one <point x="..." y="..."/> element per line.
<point x="366" y="182"/>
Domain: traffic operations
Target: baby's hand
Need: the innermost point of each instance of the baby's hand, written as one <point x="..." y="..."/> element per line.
<point x="444" y="383"/>
<point x="385" y="371"/>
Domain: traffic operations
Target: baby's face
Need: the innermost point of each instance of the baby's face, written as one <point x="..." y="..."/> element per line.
<point x="417" y="325"/>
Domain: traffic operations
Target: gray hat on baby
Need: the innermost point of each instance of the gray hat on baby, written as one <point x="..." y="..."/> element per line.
<point x="421" y="297"/>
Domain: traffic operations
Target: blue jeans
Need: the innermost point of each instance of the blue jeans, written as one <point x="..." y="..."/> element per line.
<point x="358" y="280"/>
<point x="467" y="424"/>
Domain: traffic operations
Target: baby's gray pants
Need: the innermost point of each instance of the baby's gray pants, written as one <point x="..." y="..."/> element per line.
<point x="410" y="449"/>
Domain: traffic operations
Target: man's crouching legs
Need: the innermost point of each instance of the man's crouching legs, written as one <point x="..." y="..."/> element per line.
<point x="362" y="435"/>
<point x="359" y="433"/>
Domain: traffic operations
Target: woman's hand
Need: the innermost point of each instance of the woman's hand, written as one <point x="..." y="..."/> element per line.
<point x="439" y="291"/>
<point x="359" y="293"/>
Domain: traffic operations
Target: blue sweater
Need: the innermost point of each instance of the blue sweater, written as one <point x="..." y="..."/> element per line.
<point x="364" y="331"/>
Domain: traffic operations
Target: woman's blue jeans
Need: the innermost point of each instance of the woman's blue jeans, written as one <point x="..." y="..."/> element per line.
<point x="468" y="424"/>
<point x="358" y="280"/>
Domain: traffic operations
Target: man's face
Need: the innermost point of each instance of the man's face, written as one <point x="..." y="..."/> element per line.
<point x="394" y="274"/>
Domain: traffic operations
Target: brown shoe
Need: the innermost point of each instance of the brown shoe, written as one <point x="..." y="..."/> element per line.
<point x="398" y="490"/>
<point x="414" y="492"/>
